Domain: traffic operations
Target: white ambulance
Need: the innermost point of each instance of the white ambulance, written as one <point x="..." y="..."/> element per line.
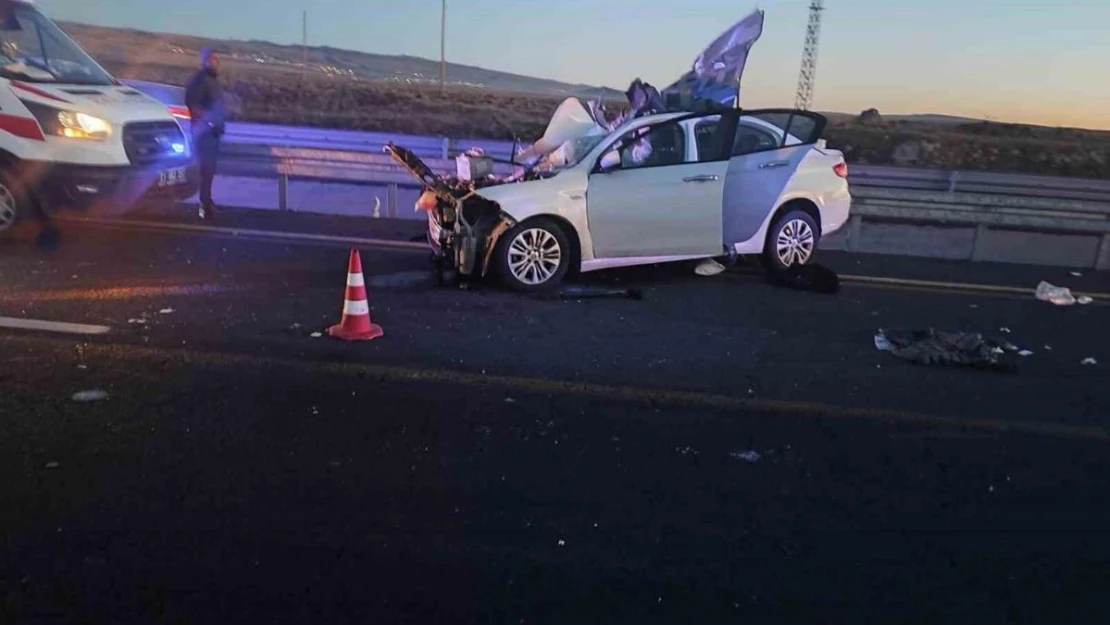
<point x="74" y="137"/>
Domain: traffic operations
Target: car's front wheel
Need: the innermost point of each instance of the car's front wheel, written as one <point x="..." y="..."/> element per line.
<point x="13" y="205"/>
<point x="791" y="241"/>
<point x="533" y="256"/>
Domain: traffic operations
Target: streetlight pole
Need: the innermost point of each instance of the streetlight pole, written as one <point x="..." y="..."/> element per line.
<point x="443" y="50"/>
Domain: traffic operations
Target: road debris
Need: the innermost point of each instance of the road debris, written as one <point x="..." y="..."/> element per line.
<point x="709" y="267"/>
<point x="1059" y="295"/>
<point x="316" y="335"/>
<point x="166" y="311"/>
<point x="583" y="292"/>
<point x="87" y="396"/>
<point x="1088" y="361"/>
<point x="1025" y="353"/>
<point x="51" y="465"/>
<point x="746" y="456"/>
<point x="813" y="277"/>
<point x="934" y="347"/>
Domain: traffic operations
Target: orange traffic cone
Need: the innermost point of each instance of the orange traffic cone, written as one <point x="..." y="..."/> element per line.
<point x="356" y="324"/>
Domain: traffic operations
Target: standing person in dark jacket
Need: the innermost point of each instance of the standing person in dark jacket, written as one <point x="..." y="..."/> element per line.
<point x="207" y="107"/>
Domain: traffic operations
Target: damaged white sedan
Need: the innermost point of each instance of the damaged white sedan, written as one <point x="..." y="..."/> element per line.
<point x="682" y="175"/>
<point x="711" y="184"/>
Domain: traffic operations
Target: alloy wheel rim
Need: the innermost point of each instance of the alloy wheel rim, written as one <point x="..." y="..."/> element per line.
<point x="794" y="244"/>
<point x="534" y="256"/>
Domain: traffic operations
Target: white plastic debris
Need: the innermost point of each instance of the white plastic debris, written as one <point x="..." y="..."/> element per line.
<point x="882" y="343"/>
<point x="1088" y="361"/>
<point x="51" y="465"/>
<point x="1077" y="274"/>
<point x="137" y="321"/>
<point x="93" y="395"/>
<point x="1004" y="330"/>
<point x="166" y="311"/>
<point x="1025" y="352"/>
<point x="316" y="335"/>
<point x="709" y="267"/>
<point x="1084" y="299"/>
<point x="1058" y="295"/>
<point x="746" y="456"/>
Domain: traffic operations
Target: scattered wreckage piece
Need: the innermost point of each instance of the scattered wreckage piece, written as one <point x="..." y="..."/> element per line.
<point x="578" y="292"/>
<point x="940" y="348"/>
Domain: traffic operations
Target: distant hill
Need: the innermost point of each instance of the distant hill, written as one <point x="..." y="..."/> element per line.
<point x="122" y="47"/>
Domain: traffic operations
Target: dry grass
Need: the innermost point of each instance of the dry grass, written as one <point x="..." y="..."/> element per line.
<point x="288" y="98"/>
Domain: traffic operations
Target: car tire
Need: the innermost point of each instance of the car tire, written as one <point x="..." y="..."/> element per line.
<point x="792" y="240"/>
<point x="533" y="256"/>
<point x="15" y="205"/>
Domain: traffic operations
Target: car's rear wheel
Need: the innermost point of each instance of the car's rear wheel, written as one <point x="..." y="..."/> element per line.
<point x="533" y="256"/>
<point x="791" y="241"/>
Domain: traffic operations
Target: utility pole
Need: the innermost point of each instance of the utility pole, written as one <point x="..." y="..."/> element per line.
<point x="443" y="50"/>
<point x="304" y="43"/>
<point x="804" y="96"/>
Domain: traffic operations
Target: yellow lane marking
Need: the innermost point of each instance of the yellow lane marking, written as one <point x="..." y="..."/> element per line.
<point x="248" y="233"/>
<point x="925" y="285"/>
<point x="631" y="394"/>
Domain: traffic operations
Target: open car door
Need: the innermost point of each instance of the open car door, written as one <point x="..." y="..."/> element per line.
<point x="662" y="202"/>
<point x="767" y="148"/>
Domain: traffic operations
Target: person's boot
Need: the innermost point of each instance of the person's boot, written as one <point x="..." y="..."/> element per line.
<point x="207" y="211"/>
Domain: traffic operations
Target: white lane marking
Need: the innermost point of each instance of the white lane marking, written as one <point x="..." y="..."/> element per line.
<point x="356" y="279"/>
<point x="259" y="234"/>
<point x="52" y="326"/>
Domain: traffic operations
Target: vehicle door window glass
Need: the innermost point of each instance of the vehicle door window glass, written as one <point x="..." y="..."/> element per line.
<point x="654" y="146"/>
<point x="712" y="137"/>
<point x="764" y="131"/>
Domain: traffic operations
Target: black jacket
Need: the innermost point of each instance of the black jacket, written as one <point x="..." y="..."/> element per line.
<point x="207" y="105"/>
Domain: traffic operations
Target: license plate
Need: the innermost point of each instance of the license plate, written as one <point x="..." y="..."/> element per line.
<point x="172" y="177"/>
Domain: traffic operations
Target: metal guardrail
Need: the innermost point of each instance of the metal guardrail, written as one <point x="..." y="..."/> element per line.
<point x="981" y="200"/>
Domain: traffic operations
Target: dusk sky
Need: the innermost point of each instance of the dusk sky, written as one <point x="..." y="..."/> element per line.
<point x="1036" y="61"/>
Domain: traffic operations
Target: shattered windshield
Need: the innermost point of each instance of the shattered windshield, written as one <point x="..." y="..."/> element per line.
<point x="577" y="149"/>
<point x="38" y="51"/>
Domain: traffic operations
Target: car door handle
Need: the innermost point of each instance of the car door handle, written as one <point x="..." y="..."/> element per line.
<point x="702" y="178"/>
<point x="774" y="164"/>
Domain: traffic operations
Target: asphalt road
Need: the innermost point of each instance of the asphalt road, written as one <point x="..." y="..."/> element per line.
<point x="721" y="451"/>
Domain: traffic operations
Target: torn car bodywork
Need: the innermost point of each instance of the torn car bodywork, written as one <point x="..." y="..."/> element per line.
<point x="468" y="226"/>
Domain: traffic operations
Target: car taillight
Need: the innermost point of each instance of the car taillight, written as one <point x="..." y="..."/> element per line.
<point x="180" y="112"/>
<point x="841" y="169"/>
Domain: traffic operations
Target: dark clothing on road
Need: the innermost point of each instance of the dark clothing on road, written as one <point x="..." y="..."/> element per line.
<point x="208" y="109"/>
